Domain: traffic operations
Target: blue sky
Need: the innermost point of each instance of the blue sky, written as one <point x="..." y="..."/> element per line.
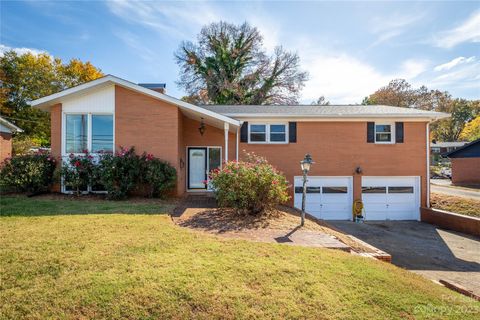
<point x="349" y="48"/>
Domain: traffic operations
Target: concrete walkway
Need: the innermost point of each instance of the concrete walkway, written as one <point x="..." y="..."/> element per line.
<point x="424" y="249"/>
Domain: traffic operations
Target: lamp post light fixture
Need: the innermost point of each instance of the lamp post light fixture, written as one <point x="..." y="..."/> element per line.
<point x="305" y="165"/>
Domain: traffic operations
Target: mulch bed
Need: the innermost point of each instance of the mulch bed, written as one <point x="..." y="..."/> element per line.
<point x="228" y="223"/>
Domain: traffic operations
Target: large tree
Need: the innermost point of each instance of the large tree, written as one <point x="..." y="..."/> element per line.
<point x="228" y="65"/>
<point x="30" y="76"/>
<point x="400" y="93"/>
<point x="472" y="130"/>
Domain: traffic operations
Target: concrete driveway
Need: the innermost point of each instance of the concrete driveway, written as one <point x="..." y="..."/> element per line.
<point x="423" y="248"/>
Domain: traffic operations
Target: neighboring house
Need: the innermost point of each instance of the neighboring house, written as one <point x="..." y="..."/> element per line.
<point x="443" y="147"/>
<point x="466" y="164"/>
<point x="440" y="148"/>
<point x="376" y="153"/>
<point x="7" y="130"/>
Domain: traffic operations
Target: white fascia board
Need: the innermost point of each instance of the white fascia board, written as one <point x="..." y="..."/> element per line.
<point x="52" y="99"/>
<point x="357" y="117"/>
<point x="10" y="125"/>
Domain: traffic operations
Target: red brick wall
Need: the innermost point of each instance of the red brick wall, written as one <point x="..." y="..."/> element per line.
<point x="213" y="137"/>
<point x="339" y="147"/>
<point x="148" y="124"/>
<point x="451" y="221"/>
<point x="56" y="136"/>
<point x="465" y="170"/>
<point x="5" y="146"/>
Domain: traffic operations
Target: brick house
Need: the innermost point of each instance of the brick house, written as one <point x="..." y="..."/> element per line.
<point x="7" y="130"/>
<point x="379" y="154"/>
<point x="466" y="164"/>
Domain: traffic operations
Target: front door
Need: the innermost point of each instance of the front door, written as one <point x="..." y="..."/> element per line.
<point x="197" y="168"/>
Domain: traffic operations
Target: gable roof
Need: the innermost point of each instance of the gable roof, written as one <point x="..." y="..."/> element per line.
<point x="470" y="150"/>
<point x="7" y="124"/>
<point x="322" y="111"/>
<point x="46" y="102"/>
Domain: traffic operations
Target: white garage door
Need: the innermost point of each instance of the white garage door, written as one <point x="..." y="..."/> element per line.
<point x="391" y="198"/>
<point x="328" y="198"/>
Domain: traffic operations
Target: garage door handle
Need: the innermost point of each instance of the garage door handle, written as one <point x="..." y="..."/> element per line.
<point x="388" y="205"/>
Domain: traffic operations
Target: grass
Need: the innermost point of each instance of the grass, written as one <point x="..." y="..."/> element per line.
<point x="144" y="267"/>
<point x="454" y="204"/>
<point x="62" y="204"/>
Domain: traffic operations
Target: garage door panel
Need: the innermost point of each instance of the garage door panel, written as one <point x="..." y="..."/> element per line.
<point x="327" y="197"/>
<point x="391" y="198"/>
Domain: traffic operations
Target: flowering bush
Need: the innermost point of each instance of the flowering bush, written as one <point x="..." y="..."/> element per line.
<point x="77" y="172"/>
<point x="32" y="173"/>
<point x="126" y="171"/>
<point x="253" y="186"/>
<point x="119" y="173"/>
<point x="157" y="175"/>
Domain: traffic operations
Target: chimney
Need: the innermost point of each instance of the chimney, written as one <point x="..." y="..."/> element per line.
<point x="159" y="87"/>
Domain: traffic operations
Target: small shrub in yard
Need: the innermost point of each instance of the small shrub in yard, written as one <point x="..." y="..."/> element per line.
<point x="251" y="187"/>
<point x="158" y="175"/>
<point x="119" y="173"/>
<point x="32" y="173"/>
<point x="77" y="172"/>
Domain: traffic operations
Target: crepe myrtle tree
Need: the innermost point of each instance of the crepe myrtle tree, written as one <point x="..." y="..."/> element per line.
<point x="228" y="65"/>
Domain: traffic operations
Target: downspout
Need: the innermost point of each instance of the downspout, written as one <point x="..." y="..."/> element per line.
<point x="428" y="164"/>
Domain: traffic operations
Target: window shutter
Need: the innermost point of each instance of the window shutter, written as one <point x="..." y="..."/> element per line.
<point x="244" y="132"/>
<point x="292" y="132"/>
<point x="370" y="132"/>
<point x="399" y="132"/>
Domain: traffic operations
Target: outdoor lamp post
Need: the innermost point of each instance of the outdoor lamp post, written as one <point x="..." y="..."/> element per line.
<point x="305" y="164"/>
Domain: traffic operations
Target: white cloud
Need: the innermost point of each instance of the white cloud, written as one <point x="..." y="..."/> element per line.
<point x="468" y="31"/>
<point x="462" y="76"/>
<point x="20" y="51"/>
<point x="343" y="79"/>
<point x="391" y="26"/>
<point x="176" y="19"/>
<point x="135" y="44"/>
<point x="455" y="62"/>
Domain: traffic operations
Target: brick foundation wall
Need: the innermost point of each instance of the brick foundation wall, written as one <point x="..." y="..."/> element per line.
<point x="465" y="171"/>
<point x="451" y="221"/>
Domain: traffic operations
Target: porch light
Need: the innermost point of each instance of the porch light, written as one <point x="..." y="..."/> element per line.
<point x="305" y="165"/>
<point x="202" y="127"/>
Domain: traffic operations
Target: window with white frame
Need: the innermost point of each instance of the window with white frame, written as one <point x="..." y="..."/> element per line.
<point x="91" y="132"/>
<point x="383" y="133"/>
<point x="267" y="133"/>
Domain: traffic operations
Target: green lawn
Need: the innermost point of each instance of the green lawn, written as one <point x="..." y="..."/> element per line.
<point x="145" y="267"/>
<point x="58" y="204"/>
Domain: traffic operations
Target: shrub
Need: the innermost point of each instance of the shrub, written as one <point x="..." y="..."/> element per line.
<point x="250" y="187"/>
<point x="158" y="175"/>
<point x="32" y="173"/>
<point x="77" y="172"/>
<point x="119" y="173"/>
